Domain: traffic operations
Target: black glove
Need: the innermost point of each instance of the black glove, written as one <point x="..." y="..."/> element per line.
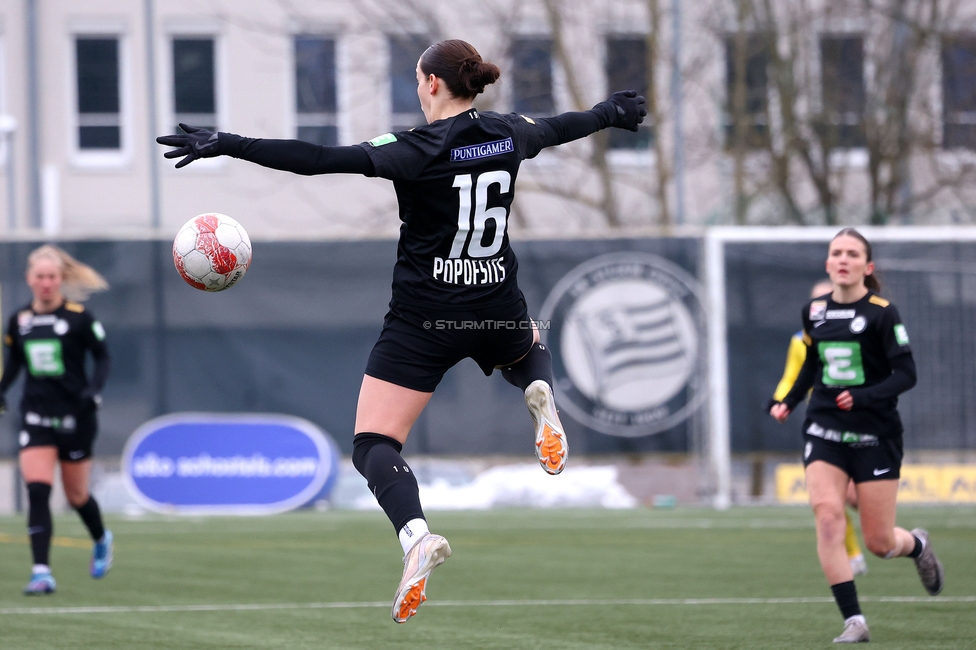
<point x="90" y="400"/>
<point x="3" y="404"/>
<point x="630" y="109"/>
<point x="196" y="143"/>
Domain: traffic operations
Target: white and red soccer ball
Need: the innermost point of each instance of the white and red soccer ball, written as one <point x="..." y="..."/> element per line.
<point x="211" y="252"/>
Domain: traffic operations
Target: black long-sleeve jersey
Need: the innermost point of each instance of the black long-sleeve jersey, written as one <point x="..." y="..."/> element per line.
<point x="53" y="347"/>
<point x="861" y="347"/>
<point x="455" y="182"/>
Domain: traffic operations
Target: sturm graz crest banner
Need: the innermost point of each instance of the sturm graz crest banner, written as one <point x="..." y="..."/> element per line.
<point x="627" y="333"/>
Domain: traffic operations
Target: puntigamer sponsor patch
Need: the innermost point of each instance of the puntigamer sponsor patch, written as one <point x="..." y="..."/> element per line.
<point x="486" y="150"/>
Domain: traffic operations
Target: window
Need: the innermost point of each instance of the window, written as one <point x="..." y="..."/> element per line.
<point x="844" y="94"/>
<point x="959" y="92"/>
<point x="532" y="76"/>
<point x="194" y="87"/>
<point x="97" y="66"/>
<point x="5" y="133"/>
<point x="756" y="86"/>
<point x="405" y="51"/>
<point x="315" y="90"/>
<point x="627" y="69"/>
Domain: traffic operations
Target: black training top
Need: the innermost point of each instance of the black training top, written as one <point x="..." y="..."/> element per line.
<point x="455" y="181"/>
<point x="861" y="347"/>
<point x="53" y="347"/>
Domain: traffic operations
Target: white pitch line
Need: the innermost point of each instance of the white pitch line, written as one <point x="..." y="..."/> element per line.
<point x="645" y="602"/>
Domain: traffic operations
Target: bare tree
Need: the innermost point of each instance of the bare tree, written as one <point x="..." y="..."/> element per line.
<point x="598" y="156"/>
<point x="834" y="92"/>
<point x="656" y="111"/>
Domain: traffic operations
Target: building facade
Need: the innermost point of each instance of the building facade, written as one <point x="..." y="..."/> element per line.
<point x="732" y="138"/>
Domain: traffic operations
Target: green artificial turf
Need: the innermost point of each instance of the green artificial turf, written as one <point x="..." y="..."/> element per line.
<point x="560" y="579"/>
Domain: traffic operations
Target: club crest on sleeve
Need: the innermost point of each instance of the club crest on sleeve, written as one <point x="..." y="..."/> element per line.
<point x="818" y="309"/>
<point x="901" y="334"/>
<point x="386" y="138"/>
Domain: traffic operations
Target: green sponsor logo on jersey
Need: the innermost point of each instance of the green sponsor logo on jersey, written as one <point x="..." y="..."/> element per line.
<point x="98" y="331"/>
<point x="44" y="357"/>
<point x="901" y="334"/>
<point x="386" y="138"/>
<point x="842" y="364"/>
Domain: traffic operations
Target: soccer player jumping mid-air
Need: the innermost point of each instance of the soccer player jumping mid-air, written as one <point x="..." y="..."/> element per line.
<point x="455" y="182"/>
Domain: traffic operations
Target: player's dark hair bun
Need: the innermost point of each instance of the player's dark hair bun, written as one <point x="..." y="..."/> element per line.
<point x="475" y="74"/>
<point x="460" y="66"/>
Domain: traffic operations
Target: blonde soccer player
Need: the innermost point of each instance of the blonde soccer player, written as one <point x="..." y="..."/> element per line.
<point x="52" y="337"/>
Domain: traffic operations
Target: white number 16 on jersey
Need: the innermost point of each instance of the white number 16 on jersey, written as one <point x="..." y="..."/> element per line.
<point x="498" y="214"/>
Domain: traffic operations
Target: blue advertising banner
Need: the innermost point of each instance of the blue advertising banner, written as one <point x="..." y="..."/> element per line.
<point x="208" y="463"/>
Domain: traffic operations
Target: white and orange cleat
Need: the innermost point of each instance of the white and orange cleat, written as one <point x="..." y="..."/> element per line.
<point x="419" y="561"/>
<point x="550" y="439"/>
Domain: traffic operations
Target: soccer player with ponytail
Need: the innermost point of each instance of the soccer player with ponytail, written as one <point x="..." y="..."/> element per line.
<point x="51" y="337"/>
<point x="858" y="362"/>
<point x="795" y="356"/>
<point x="455" y="277"/>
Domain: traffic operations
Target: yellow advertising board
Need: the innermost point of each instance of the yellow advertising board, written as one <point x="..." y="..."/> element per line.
<point x="918" y="484"/>
<point x="791" y="484"/>
<point x="959" y="483"/>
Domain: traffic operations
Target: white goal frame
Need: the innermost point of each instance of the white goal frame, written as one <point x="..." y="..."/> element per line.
<point x="719" y="449"/>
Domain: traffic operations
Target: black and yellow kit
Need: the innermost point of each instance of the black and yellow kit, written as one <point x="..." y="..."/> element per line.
<point x="59" y="399"/>
<point x="860" y="347"/>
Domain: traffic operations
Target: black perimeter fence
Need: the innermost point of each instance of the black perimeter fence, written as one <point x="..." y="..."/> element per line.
<point x="293" y="337"/>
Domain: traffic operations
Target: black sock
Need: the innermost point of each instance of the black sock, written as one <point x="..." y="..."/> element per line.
<point x="92" y="516"/>
<point x="845" y="593"/>
<point x="537" y="364"/>
<point x="918" y="548"/>
<point x="377" y="457"/>
<point x="39" y="525"/>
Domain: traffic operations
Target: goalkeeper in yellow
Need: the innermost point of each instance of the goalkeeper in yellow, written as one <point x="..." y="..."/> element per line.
<point x="795" y="357"/>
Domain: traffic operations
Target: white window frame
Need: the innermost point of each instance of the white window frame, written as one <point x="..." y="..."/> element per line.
<point x="558" y="87"/>
<point x="960" y="153"/>
<point x="855" y="157"/>
<point x="627" y="158"/>
<point x="394" y="119"/>
<point x="294" y="119"/>
<point x="107" y="159"/>
<point x="4" y="104"/>
<point x="345" y="89"/>
<point x="175" y="29"/>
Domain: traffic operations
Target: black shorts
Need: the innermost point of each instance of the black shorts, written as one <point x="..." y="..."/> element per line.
<point x="419" y="344"/>
<point x="863" y="458"/>
<point x="72" y="433"/>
